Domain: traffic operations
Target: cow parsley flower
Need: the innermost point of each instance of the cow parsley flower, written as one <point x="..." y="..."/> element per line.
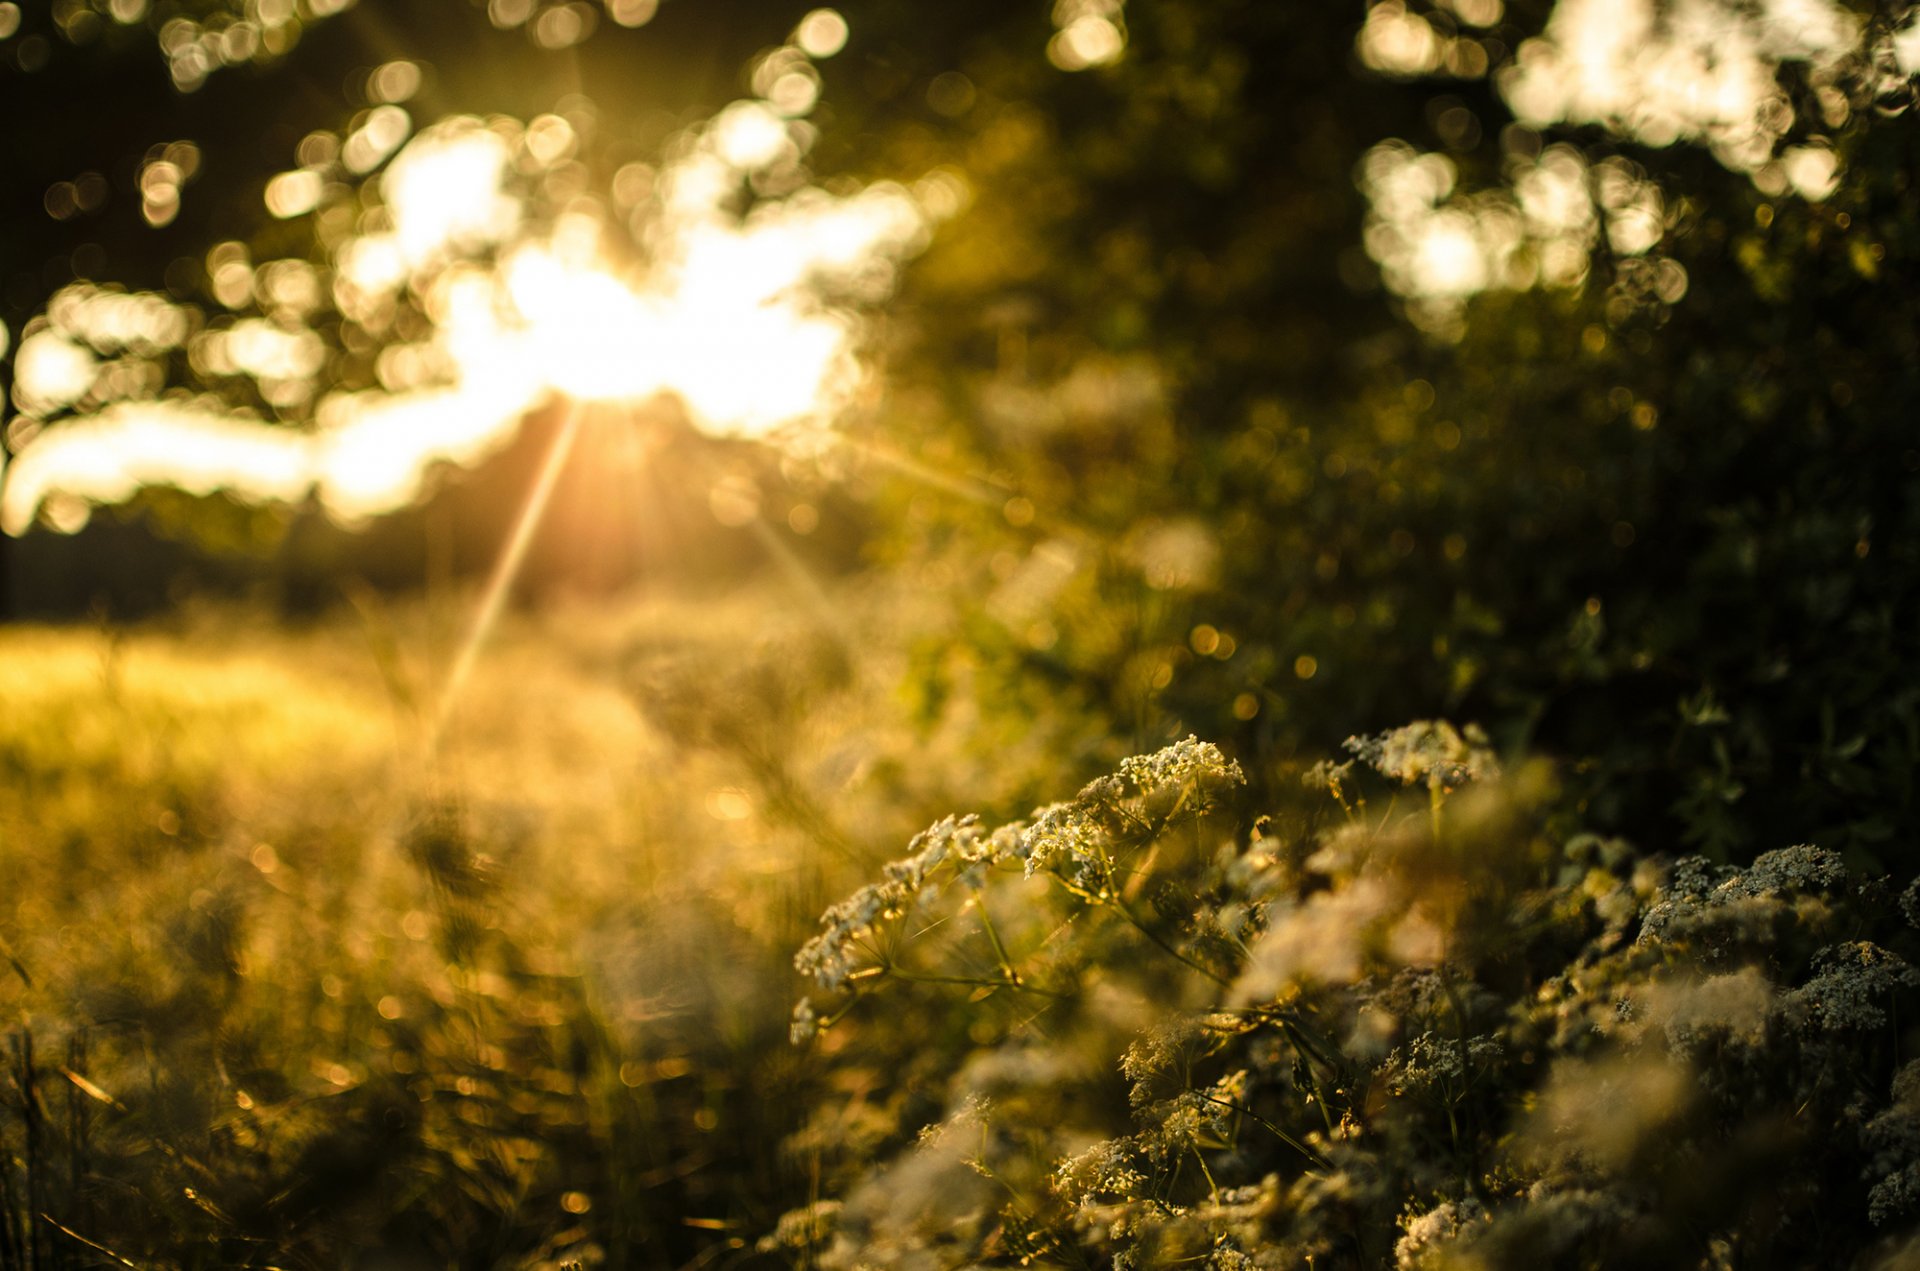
<point x="1066" y="839"/>
<point x="1076" y="841"/>
<point x="1424" y="1234"/>
<point x="832" y="957"/>
<point x="1428" y="750"/>
<point x="1191" y="762"/>
<point x="1851" y="983"/>
<point x="1803" y="868"/>
<point x="1108" y="1168"/>
<point x="1431" y="1062"/>
<point x="1723" y="903"/>
<point x="805" y="1026"/>
<point x="1910" y="903"/>
<point x="955" y="841"/>
<point x="1894" y="1139"/>
<point x="1158" y="1056"/>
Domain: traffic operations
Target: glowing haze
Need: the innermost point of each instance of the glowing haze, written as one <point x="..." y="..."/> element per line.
<point x="724" y="316"/>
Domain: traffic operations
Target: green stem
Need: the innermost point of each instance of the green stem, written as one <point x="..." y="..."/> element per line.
<point x="1114" y="903"/>
<point x="1303" y="1036"/>
<point x="1213" y="1188"/>
<point x="1464" y="1151"/>
<point x="993" y="937"/>
<point x="1319" y="1094"/>
<point x="1271" y="1128"/>
<point x="973" y="981"/>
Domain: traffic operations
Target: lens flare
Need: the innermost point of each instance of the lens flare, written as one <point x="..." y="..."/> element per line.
<point x="725" y="317"/>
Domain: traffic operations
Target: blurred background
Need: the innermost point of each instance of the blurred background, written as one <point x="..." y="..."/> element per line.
<point x="509" y="508"/>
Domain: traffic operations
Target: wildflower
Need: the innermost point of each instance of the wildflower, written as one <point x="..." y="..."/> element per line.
<point x="1327" y="775"/>
<point x="1894" y="1139"/>
<point x="805" y="1026"/>
<point x="951" y="840"/>
<point x="1106" y="1169"/>
<point x="1192" y="1118"/>
<point x="1789" y="869"/>
<point x="1852" y="981"/>
<point x="803" y="1228"/>
<point x="1605" y="1112"/>
<point x="1063" y="839"/>
<point x="1322" y="940"/>
<point x="1076" y="841"/>
<point x="1554" y="1227"/>
<point x="1423" y="1234"/>
<point x="832" y="957"/>
<point x="1723" y="904"/>
<point x="1188" y="763"/>
<point x="1428" y="750"/>
<point x="1700" y="1012"/>
<point x="1910" y="903"/>
<point x="1158" y="1055"/>
<point x="1431" y="1062"/>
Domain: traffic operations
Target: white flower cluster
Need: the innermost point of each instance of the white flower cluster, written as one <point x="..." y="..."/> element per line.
<point x="1158" y="1055"/>
<point x="1713" y="1011"/>
<point x="1431" y="1062"/>
<point x="1910" y="903"/>
<point x="1171" y="1130"/>
<point x="1548" y="1226"/>
<point x="803" y="1229"/>
<point x="1189" y="764"/>
<point x="1429" y="750"/>
<point x="1326" y="774"/>
<point x="1556" y="1225"/>
<point x="806" y="1025"/>
<point x="1702" y="897"/>
<point x="832" y="957"/>
<point x="1851" y="982"/>
<point x="1068" y="839"/>
<point x="1107" y="1169"/>
<point x="1193" y="1119"/>
<point x="1894" y="1139"/>
<point x="1423" y="1234"/>
<point x="1789" y="869"/>
<point x="955" y="841"/>
<point x="1074" y="841"/>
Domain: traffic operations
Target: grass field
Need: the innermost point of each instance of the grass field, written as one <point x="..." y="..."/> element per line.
<point x="288" y="984"/>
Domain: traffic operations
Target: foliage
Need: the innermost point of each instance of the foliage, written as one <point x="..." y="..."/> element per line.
<point x="1647" y="538"/>
<point x="1419" y="1036"/>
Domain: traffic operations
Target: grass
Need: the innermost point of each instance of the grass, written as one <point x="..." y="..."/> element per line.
<point x="287" y="989"/>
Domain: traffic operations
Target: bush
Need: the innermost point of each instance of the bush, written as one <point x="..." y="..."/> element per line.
<point x="1395" y="1022"/>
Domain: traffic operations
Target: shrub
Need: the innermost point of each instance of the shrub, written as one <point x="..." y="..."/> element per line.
<point x="1395" y="1022"/>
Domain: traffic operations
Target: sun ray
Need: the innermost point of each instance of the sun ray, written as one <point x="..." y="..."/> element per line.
<point x="505" y="570"/>
<point x="803" y="581"/>
<point x="972" y="488"/>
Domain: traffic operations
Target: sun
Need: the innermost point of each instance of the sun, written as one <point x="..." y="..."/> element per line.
<point x="719" y="311"/>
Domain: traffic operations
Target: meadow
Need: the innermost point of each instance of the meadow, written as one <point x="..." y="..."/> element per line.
<point x="281" y="978"/>
<point x="1213" y="635"/>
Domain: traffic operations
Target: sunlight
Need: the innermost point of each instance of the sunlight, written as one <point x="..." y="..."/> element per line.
<point x="1700" y="70"/>
<point x="108" y="457"/>
<point x="1437" y="246"/>
<point x="1661" y="72"/>
<point x="725" y="316"/>
<point x="446" y="192"/>
<point x="500" y="582"/>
